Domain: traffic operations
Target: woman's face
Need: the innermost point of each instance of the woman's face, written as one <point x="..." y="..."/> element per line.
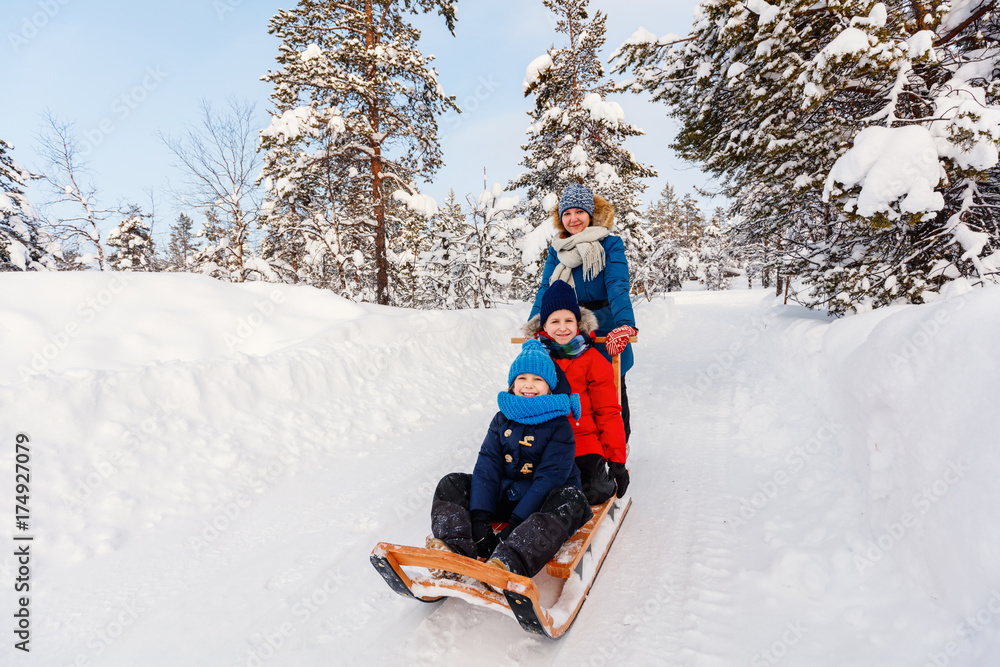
<point x="575" y="220"/>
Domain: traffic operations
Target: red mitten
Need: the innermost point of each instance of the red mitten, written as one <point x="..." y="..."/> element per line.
<point x="617" y="339"/>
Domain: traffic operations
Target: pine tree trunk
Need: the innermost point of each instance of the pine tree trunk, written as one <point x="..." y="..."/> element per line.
<point x="381" y="264"/>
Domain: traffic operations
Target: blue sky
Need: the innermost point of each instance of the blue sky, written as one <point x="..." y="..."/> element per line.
<point x="122" y="71"/>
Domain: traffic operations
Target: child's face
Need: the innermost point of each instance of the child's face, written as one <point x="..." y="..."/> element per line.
<point x="562" y="326"/>
<point x="527" y="384"/>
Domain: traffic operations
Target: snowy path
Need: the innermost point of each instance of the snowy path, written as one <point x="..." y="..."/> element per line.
<point x="219" y="510"/>
<point x="683" y="585"/>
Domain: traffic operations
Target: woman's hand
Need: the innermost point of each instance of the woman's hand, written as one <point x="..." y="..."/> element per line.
<point x="617" y="339"/>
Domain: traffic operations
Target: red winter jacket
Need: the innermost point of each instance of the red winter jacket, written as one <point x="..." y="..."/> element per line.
<point x="600" y="429"/>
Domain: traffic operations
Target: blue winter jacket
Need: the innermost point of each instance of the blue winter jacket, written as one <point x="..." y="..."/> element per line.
<point x="611" y="285"/>
<point x="523" y="463"/>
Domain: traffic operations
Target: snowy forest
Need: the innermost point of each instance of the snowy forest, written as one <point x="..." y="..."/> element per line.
<point x="854" y="146"/>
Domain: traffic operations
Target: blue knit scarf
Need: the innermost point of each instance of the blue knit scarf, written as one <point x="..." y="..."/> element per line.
<point x="571" y="350"/>
<point x="538" y="409"/>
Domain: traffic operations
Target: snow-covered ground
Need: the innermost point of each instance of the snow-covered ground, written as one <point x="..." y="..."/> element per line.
<point x="211" y="465"/>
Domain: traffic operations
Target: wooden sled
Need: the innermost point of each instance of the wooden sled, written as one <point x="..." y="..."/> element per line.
<point x="567" y="578"/>
<point x="546" y="604"/>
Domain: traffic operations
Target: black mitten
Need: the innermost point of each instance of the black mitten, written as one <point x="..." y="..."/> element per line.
<point x="483" y="535"/>
<point x="620" y="473"/>
<point x="511" y="525"/>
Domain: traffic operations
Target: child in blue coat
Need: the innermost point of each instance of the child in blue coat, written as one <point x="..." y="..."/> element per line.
<point x="525" y="475"/>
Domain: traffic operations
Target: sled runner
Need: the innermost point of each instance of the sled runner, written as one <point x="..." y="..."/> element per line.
<point x="546" y="604"/>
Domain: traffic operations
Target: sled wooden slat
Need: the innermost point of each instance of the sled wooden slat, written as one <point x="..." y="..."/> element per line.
<point x="443" y="560"/>
<point x="572" y="551"/>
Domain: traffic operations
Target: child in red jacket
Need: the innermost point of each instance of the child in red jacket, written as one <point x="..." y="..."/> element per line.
<point x="567" y="332"/>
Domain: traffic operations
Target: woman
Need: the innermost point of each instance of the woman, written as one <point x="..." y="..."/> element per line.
<point x="587" y="256"/>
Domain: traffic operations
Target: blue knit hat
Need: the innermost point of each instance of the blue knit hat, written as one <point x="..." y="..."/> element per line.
<point x="577" y="196"/>
<point x="559" y="296"/>
<point x="535" y="360"/>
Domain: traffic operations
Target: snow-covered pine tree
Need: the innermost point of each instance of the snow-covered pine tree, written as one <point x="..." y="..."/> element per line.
<point x="213" y="257"/>
<point x="793" y="104"/>
<point x="493" y="256"/>
<point x="663" y="215"/>
<point x="714" y="254"/>
<point x="24" y="244"/>
<point x="355" y="121"/>
<point x="442" y="265"/>
<point x="671" y="261"/>
<point x="182" y="246"/>
<point x="410" y="243"/>
<point x="691" y="221"/>
<point x="576" y="133"/>
<point x="131" y="243"/>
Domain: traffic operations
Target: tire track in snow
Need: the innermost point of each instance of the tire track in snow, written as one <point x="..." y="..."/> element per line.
<point x="695" y="436"/>
<point x="663" y="597"/>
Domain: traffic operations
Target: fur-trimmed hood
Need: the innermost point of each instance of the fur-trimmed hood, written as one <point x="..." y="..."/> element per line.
<point x="604" y="215"/>
<point x="588" y="324"/>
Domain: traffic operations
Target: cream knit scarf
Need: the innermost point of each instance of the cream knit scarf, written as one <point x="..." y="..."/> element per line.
<point x="583" y="248"/>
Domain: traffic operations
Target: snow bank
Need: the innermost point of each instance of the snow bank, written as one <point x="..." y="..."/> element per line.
<point x="918" y="392"/>
<point x="914" y="389"/>
<point x="204" y="450"/>
<point x="58" y="322"/>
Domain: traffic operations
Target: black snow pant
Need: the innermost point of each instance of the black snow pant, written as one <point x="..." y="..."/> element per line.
<point x="625" y="411"/>
<point x="531" y="545"/>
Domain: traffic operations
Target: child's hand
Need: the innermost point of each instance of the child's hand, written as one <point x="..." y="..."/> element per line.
<point x="484" y="537"/>
<point x="617" y="339"/>
<point x="620" y="473"/>
<point x="511" y="525"/>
